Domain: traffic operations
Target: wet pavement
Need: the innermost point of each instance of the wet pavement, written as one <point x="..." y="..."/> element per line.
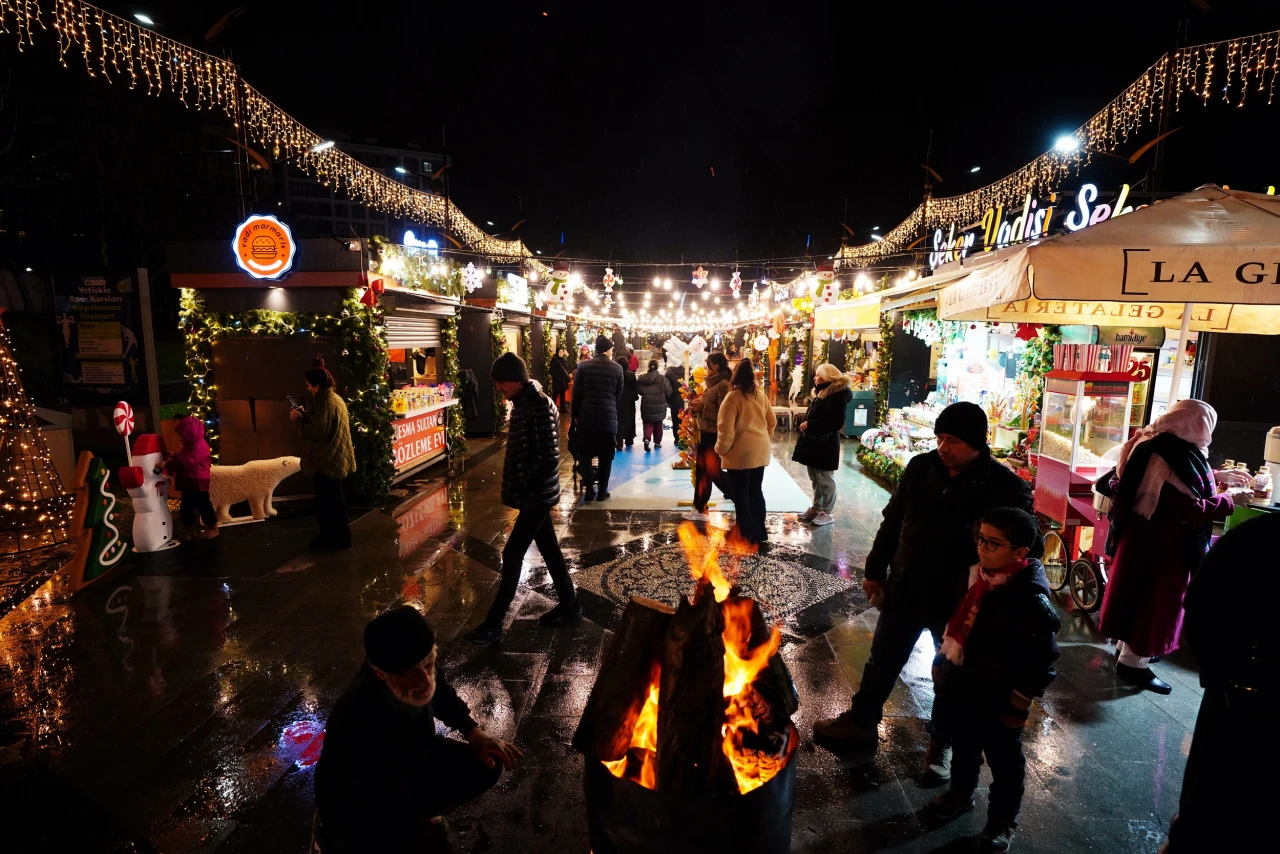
<point x="180" y="707"/>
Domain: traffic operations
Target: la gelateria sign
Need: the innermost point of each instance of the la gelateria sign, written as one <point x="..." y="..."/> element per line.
<point x="1000" y="227"/>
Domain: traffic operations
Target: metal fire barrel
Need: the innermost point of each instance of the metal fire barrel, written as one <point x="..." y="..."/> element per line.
<point x="624" y="817"/>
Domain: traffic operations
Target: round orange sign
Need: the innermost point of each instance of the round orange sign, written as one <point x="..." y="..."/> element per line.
<point x="264" y="247"/>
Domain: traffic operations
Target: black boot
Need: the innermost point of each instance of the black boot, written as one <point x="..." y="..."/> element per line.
<point x="1143" y="678"/>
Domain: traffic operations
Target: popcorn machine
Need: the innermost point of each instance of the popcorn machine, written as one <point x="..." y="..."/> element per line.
<point x="1084" y="423"/>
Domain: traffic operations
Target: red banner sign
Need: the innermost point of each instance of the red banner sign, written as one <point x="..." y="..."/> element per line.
<point x="419" y="437"/>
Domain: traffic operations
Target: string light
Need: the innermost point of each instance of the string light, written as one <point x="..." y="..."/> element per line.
<point x="34" y="511"/>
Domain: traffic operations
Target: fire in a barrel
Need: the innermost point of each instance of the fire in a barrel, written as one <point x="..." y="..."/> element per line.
<point x="693" y="704"/>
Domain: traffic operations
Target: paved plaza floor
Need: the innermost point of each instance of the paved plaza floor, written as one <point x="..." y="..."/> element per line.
<point x="180" y="707"/>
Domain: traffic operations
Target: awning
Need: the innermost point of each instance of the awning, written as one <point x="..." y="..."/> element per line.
<point x="1218" y="249"/>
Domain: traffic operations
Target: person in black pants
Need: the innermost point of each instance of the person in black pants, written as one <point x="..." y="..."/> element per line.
<point x="385" y="778"/>
<point x="327" y="455"/>
<point x="706" y="408"/>
<point x="997" y="655"/>
<point x="597" y="394"/>
<point x="927" y="539"/>
<point x="531" y="484"/>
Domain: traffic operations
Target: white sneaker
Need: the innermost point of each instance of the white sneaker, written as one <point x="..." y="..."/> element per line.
<point x="823" y="518"/>
<point x="807" y="516"/>
<point x="695" y="516"/>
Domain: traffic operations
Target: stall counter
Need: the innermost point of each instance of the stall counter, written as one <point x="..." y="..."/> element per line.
<point x="421" y="434"/>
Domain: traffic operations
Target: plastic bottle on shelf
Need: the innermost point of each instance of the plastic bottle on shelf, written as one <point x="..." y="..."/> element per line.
<point x="1262" y="485"/>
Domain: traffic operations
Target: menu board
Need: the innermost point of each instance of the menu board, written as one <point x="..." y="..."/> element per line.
<point x="419" y="438"/>
<point x="99" y="347"/>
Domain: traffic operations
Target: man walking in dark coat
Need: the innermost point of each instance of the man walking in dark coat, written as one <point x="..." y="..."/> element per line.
<point x="385" y="778"/>
<point x="531" y="484"/>
<point x="675" y="376"/>
<point x="597" y="393"/>
<point x="926" y="538"/>
<point x="627" y="406"/>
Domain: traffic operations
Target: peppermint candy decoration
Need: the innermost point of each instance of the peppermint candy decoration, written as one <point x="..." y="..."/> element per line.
<point x="609" y="279"/>
<point x="736" y="282"/>
<point x="122" y="416"/>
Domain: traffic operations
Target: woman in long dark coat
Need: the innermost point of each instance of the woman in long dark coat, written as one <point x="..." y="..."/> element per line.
<point x="627" y="406"/>
<point x="818" y="446"/>
<point x="560" y="377"/>
<point x="1165" y="502"/>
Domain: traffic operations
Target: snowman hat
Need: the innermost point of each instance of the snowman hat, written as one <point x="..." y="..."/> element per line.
<point x="148" y="443"/>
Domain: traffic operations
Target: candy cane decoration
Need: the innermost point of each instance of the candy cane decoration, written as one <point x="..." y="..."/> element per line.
<point x="122" y="416"/>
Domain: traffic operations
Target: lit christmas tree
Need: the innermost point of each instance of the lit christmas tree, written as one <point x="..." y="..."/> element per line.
<point x="34" y="510"/>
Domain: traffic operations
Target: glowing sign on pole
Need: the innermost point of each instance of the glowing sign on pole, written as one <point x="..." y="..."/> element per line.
<point x="264" y="247"/>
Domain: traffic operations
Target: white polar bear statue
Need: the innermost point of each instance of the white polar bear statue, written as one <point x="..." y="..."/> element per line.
<point x="254" y="481"/>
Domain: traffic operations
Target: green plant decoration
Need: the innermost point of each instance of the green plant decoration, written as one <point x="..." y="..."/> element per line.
<point x="571" y="335"/>
<point x="1037" y="358"/>
<point x="526" y="345"/>
<point x="498" y="345"/>
<point x="884" y="367"/>
<point x="546" y="351"/>
<point x="455" y="424"/>
<point x="362" y="373"/>
<point x="878" y="464"/>
<point x="417" y="269"/>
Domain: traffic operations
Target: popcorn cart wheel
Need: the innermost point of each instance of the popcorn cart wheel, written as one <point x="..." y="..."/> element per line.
<point x="1088" y="582"/>
<point x="1055" y="560"/>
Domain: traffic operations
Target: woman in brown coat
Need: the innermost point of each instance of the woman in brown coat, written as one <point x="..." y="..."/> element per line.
<point x="744" y="438"/>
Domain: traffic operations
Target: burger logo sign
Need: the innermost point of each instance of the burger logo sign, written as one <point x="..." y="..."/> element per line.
<point x="264" y="247"/>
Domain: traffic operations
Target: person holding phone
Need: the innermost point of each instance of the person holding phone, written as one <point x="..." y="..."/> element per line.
<point x="327" y="455"/>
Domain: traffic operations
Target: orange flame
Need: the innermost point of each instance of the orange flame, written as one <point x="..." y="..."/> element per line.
<point x="742" y="666"/>
<point x="644" y="743"/>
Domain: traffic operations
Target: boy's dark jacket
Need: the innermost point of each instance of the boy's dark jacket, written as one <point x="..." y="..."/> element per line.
<point x="1012" y="645"/>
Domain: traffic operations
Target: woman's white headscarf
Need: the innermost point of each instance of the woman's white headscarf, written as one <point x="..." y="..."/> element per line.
<point x="1190" y="420"/>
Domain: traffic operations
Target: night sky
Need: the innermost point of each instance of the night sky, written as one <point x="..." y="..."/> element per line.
<point x="690" y="132"/>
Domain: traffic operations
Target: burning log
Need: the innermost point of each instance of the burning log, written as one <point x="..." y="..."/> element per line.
<point x="775" y="680"/>
<point x="690" y="756"/>
<point x="631" y="664"/>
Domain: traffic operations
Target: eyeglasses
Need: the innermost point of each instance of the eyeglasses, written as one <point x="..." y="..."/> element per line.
<point x="990" y="545"/>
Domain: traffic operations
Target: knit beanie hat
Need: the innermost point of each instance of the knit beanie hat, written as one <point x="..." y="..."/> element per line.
<point x="509" y="368"/>
<point x="966" y="421"/>
<point x="398" y="639"/>
<point x="603" y="344"/>
<point x="828" y="372"/>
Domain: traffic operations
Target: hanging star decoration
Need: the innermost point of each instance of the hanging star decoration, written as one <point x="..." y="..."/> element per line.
<point x="472" y="278"/>
<point x="735" y="283"/>
<point x="699" y="276"/>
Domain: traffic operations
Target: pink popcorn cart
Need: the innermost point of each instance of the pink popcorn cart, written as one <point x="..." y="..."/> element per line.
<point x="1084" y="423"/>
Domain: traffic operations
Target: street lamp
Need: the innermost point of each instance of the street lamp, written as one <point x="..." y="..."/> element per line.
<point x="322" y="146"/>
<point x="1066" y="144"/>
<point x="143" y="19"/>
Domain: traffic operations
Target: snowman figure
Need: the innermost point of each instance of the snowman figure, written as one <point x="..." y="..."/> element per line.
<point x="149" y="489"/>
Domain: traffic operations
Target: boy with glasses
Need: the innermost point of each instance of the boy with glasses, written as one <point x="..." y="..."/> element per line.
<point x="997" y="654"/>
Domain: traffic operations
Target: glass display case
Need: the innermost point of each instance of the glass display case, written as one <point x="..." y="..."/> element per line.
<point x="1085" y="416"/>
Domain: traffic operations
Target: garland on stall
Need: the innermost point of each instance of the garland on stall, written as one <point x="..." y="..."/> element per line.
<point x="498" y="346"/>
<point x="571" y="333"/>
<point x="878" y="464"/>
<point x="526" y="347"/>
<point x="801" y="338"/>
<point x="822" y="351"/>
<point x="455" y="425"/>
<point x="1037" y="357"/>
<point x="546" y="352"/>
<point x="362" y="373"/>
<point x="884" y="367"/>
<point x="416" y="269"/>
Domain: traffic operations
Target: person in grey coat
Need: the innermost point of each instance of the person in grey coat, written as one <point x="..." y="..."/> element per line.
<point x="655" y="390"/>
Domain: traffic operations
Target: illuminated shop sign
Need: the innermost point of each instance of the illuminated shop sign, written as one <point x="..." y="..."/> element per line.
<point x="999" y="227"/>
<point x="264" y="247"/>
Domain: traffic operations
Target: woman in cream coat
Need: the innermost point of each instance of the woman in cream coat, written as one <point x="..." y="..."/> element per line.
<point x="744" y="439"/>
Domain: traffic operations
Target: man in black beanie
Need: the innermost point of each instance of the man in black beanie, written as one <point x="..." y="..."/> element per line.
<point x="926" y="538"/>
<point x="530" y="484"/>
<point x="385" y="778"/>
<point x="597" y="393"/>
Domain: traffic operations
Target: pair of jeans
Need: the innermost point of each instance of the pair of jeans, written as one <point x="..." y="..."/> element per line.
<point x="708" y="473"/>
<point x="196" y="505"/>
<point x="653" y="430"/>
<point x="533" y="525"/>
<point x="977" y="732"/>
<point x="748" y="503"/>
<point x="824" y="489"/>
<point x="891" y="645"/>
<point x="453" y="775"/>
<point x="331" y="512"/>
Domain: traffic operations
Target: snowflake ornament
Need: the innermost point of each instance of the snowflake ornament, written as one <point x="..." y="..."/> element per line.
<point x="472" y="278"/>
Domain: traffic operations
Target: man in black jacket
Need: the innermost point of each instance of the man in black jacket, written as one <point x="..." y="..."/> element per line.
<point x="927" y="539"/>
<point x="531" y="484"/>
<point x="385" y="778"/>
<point x="597" y="393"/>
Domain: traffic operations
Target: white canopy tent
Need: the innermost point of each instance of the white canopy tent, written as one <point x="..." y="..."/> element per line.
<point x="1207" y="260"/>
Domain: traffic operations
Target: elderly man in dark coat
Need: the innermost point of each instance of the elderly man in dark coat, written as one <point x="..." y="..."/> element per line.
<point x="927" y="540"/>
<point x="597" y="392"/>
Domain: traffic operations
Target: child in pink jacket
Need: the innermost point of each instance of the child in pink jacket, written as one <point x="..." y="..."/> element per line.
<point x="190" y="469"/>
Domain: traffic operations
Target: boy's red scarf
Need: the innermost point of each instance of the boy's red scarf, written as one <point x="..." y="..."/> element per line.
<point x="961" y="622"/>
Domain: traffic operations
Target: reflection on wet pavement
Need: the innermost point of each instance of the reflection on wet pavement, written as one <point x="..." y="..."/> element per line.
<point x="183" y="711"/>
